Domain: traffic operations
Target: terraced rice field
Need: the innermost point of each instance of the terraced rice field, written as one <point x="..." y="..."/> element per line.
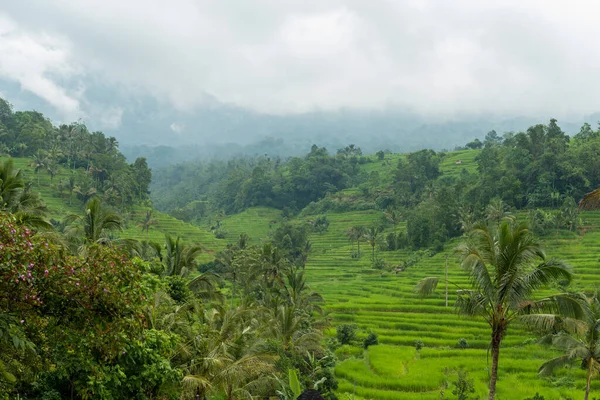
<point x="385" y="303"/>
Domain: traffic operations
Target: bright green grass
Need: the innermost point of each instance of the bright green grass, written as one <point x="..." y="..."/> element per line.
<point x="385" y="303"/>
<point x="256" y="222"/>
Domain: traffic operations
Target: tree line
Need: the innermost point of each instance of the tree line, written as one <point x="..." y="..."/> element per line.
<point x="92" y="162"/>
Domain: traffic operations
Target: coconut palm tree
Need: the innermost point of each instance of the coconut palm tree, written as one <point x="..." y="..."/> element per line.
<point x="288" y="326"/>
<point x="52" y="168"/>
<point x="179" y="258"/>
<point x="226" y="357"/>
<point x="355" y="233"/>
<point x="17" y="198"/>
<point x="95" y="225"/>
<point x="497" y="211"/>
<point x="579" y="340"/>
<point x="506" y="266"/>
<point x="372" y="236"/>
<point x="147" y="222"/>
<point x="395" y="217"/>
<point x="38" y="162"/>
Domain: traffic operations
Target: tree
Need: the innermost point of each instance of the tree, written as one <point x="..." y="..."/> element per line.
<point x="179" y="258"/>
<point x="147" y="222"/>
<point x="143" y="177"/>
<point x="578" y="340"/>
<point x="496" y="211"/>
<point x="506" y="266"/>
<point x="38" y="163"/>
<point x="17" y="198"/>
<point x="395" y="217"/>
<point x="226" y="356"/>
<point x="372" y="236"/>
<point x="52" y="168"/>
<point x="355" y="233"/>
<point x="95" y="225"/>
<point x="463" y="386"/>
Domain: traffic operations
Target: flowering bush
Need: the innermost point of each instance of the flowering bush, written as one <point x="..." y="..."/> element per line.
<point x="74" y="313"/>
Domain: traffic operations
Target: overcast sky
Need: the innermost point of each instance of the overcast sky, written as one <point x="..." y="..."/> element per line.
<point x="278" y="56"/>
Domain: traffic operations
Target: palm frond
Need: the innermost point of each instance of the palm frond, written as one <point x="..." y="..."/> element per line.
<point x="471" y="303"/>
<point x="568" y="305"/>
<point x="549" y="366"/>
<point x="551" y="323"/>
<point x="427" y="286"/>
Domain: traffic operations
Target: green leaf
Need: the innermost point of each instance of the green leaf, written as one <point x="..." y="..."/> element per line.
<point x="294" y="382"/>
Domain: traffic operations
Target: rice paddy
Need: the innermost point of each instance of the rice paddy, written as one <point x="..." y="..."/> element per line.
<point x="384" y="302"/>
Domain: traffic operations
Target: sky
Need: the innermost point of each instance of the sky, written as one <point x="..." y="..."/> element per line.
<point x="95" y="58"/>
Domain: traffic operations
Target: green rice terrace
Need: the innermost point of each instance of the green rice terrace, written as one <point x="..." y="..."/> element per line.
<point x="384" y="301"/>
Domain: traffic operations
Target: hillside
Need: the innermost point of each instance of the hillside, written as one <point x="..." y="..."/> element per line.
<point x="384" y="302"/>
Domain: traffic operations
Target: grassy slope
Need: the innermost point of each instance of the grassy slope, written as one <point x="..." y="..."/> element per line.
<point x="385" y="302"/>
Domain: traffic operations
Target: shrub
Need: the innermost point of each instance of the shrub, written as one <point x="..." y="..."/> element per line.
<point x="321" y="224"/>
<point x="370" y="340"/>
<point x="345" y="333"/>
<point x="463" y="386"/>
<point x="220" y="234"/>
<point x="462" y="343"/>
<point x="419" y="344"/>
<point x="379" y="264"/>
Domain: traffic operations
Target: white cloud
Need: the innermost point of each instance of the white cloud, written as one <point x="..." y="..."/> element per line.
<point x="38" y="62"/>
<point x="435" y="57"/>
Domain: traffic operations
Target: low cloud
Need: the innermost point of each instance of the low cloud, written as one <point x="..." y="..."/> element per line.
<point x="39" y="62"/>
<point x="432" y="57"/>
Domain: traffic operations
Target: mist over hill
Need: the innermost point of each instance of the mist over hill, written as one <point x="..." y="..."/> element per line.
<point x="224" y="132"/>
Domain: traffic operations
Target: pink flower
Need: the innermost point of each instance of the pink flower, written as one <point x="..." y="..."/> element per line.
<point x="46" y="272"/>
<point x="77" y="284"/>
<point x="22" y="321"/>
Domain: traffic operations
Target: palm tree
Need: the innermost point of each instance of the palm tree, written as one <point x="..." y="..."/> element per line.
<point x="394" y="217"/>
<point x="38" y="163"/>
<point x="70" y="186"/>
<point x="17" y="198"/>
<point x="95" y="225"/>
<point x="179" y="258"/>
<point x="85" y="190"/>
<point x="506" y="266"/>
<point x="352" y="235"/>
<point x="226" y="357"/>
<point x="497" y="211"/>
<point x="147" y="222"/>
<point x="578" y="339"/>
<point x="52" y="168"/>
<point x="372" y="236"/>
<point x="288" y="326"/>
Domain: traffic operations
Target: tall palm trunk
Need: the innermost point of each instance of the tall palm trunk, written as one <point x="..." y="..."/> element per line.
<point x="496" y="339"/>
<point x="589" y="377"/>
